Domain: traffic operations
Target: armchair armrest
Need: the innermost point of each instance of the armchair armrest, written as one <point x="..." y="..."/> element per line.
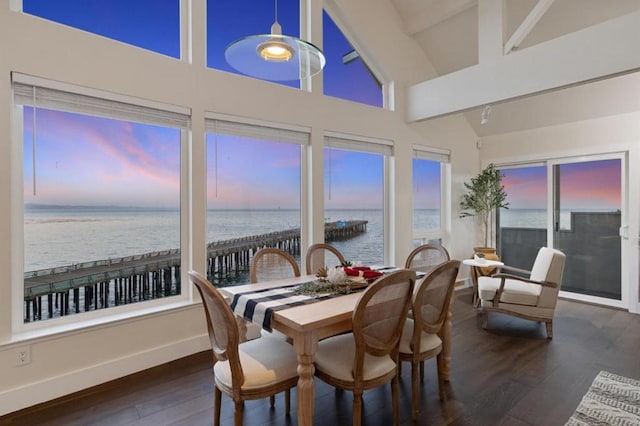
<point x="514" y="269"/>
<point x="504" y="277"/>
<point x="524" y="280"/>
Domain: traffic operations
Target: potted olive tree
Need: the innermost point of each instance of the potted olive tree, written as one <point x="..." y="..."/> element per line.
<point x="484" y="194"/>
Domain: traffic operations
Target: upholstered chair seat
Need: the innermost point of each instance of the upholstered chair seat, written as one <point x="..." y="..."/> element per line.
<point x="515" y="292"/>
<point x="428" y="341"/>
<point x="265" y="362"/>
<point x="337" y="356"/>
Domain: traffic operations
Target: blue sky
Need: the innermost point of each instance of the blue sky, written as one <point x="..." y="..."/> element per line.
<point x="89" y="160"/>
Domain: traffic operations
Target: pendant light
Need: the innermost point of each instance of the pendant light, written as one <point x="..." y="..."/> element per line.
<point x="274" y="56"/>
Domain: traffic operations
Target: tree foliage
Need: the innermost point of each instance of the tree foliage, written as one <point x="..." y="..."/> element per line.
<point x="485" y="193"/>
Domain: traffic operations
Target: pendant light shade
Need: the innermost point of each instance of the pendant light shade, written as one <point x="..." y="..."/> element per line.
<point x="274" y="56"/>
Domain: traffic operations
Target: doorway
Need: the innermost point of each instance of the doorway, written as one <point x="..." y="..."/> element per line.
<point x="575" y="205"/>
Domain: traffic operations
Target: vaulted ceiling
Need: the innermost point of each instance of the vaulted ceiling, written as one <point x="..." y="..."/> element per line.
<point x="448" y="33"/>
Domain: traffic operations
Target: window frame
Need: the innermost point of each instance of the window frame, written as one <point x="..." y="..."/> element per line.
<point x="443" y="156"/>
<point x="113" y="313"/>
<point x="371" y="145"/>
<point x="289" y="133"/>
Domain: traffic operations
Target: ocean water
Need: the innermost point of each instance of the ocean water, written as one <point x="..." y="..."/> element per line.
<point x="65" y="235"/>
<point x="62" y="236"/>
<point x="537" y="218"/>
<point x="528" y="218"/>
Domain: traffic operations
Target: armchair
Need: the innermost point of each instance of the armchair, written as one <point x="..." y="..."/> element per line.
<point x="532" y="298"/>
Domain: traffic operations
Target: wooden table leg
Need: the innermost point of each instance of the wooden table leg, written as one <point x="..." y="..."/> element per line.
<point x="305" y="346"/>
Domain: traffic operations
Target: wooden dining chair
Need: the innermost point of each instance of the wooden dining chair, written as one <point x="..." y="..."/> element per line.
<point x="271" y="263"/>
<point x="421" y="337"/>
<point x="321" y="255"/>
<point x="368" y="357"/>
<point x="427" y="256"/>
<point x="252" y="370"/>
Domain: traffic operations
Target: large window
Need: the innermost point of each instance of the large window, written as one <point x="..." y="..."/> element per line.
<point x="150" y="24"/>
<point x="354" y="194"/>
<point x="428" y="172"/>
<point x="253" y="194"/>
<point x="346" y="74"/>
<point x="101" y="200"/>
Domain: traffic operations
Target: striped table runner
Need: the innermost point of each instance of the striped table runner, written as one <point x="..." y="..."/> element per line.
<point x="258" y="306"/>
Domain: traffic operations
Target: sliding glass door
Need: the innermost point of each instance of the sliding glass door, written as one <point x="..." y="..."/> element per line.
<point x="587" y="217"/>
<point x="522" y="228"/>
<point x="575" y="205"/>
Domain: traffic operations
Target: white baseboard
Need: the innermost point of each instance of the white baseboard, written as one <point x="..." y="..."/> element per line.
<point x="54" y="387"/>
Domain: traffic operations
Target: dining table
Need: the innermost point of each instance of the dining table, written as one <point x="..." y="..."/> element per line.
<point x="308" y="323"/>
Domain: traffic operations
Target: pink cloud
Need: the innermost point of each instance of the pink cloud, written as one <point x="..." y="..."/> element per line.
<point x="76" y="152"/>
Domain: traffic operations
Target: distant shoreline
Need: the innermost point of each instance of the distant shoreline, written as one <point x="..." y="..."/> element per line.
<point x="36" y="207"/>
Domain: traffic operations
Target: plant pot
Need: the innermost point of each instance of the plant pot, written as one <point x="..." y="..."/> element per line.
<point x="488" y="253"/>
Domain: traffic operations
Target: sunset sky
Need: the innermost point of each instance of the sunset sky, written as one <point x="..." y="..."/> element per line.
<point x="95" y="161"/>
<point x="583" y="186"/>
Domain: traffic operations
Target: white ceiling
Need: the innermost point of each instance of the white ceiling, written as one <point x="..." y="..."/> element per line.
<point x="447" y="32"/>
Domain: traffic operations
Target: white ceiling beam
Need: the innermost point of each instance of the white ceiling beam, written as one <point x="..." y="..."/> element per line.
<point x="527" y="25"/>
<point x="434" y="13"/>
<point x="593" y="53"/>
<point x="490" y="30"/>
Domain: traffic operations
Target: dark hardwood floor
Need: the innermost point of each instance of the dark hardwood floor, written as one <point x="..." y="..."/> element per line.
<point x="508" y="375"/>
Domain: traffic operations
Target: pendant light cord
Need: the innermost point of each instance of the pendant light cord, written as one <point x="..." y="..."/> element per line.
<point x="330" y="172"/>
<point x="276" y="8"/>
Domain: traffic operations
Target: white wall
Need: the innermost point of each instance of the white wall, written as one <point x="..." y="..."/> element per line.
<point x="71" y="360"/>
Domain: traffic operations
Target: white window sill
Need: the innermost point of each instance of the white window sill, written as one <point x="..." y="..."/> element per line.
<point x="42" y="332"/>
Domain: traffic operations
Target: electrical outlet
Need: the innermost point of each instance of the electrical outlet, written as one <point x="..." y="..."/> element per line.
<point x="23" y="356"/>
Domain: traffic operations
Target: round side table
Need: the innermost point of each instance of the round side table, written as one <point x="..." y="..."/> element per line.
<point x="475" y="264"/>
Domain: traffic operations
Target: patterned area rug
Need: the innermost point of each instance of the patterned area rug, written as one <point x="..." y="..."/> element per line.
<point x="611" y="400"/>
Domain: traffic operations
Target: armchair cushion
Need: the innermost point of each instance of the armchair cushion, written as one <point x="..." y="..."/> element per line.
<point x="544" y="267"/>
<point x="516" y="292"/>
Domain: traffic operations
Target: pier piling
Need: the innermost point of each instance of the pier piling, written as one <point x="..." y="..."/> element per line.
<point x="131" y="279"/>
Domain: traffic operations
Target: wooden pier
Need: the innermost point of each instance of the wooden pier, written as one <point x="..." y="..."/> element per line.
<point x="103" y="283"/>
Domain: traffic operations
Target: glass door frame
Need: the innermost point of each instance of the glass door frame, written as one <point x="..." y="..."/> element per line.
<point x="630" y="216"/>
<point x="625" y="283"/>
